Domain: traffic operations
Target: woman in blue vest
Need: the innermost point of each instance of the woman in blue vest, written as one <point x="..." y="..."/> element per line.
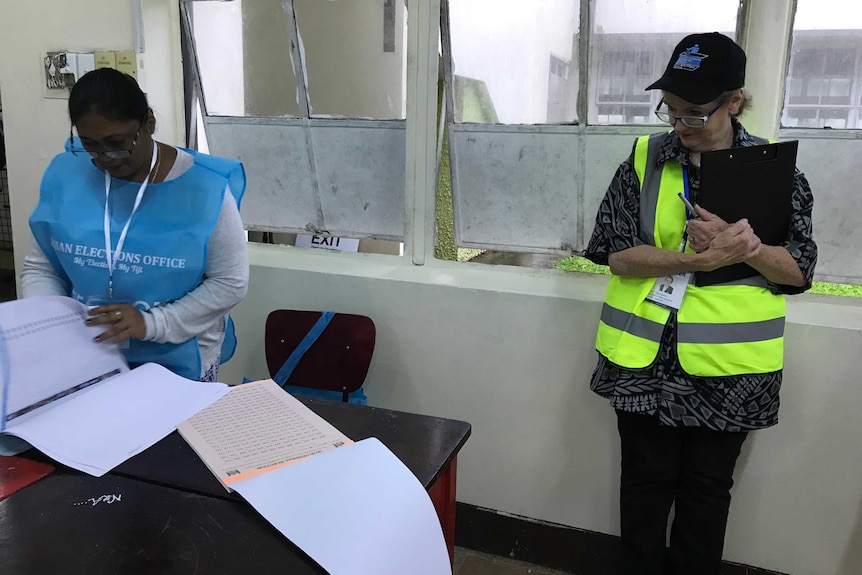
<point x="692" y="371"/>
<point x="148" y="234"/>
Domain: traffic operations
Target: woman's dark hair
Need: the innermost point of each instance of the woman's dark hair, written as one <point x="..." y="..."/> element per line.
<point x="109" y="93"/>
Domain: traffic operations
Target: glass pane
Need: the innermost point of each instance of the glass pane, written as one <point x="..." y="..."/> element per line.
<point x="514" y="62"/>
<point x="631" y="43"/>
<point x="356" y="56"/>
<point x="825" y="64"/>
<point x="243" y="50"/>
<point x="203" y="143"/>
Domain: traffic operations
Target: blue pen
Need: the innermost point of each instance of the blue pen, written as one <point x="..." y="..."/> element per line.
<point x="692" y="214"/>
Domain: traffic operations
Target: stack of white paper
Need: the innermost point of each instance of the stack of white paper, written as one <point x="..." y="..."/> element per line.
<point x="98" y="428"/>
<point x="76" y="400"/>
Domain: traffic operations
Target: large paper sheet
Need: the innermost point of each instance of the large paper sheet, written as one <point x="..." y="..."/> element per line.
<point x="355" y="510"/>
<point x="47" y="350"/>
<point x="96" y="429"/>
<point x="255" y="428"/>
<point x="75" y="399"/>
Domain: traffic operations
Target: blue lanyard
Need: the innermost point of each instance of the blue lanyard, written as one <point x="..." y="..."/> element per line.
<point x="688" y="216"/>
<point x="686" y="187"/>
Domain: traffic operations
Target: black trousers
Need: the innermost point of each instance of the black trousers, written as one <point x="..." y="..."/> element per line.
<point x="686" y="466"/>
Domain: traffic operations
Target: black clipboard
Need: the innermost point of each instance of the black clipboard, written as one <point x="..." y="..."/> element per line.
<point x="755" y="183"/>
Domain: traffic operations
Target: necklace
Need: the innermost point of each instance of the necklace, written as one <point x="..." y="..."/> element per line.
<point x="154" y="174"/>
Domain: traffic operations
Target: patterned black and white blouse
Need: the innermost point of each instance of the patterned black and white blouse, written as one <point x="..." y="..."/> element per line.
<point x="663" y="389"/>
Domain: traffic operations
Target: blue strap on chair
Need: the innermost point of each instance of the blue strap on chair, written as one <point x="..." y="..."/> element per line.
<point x="293" y="360"/>
<point x="357" y="397"/>
<point x="282" y="376"/>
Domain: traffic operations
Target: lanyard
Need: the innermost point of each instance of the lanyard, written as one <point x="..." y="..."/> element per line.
<point x="687" y="190"/>
<point x="109" y="253"/>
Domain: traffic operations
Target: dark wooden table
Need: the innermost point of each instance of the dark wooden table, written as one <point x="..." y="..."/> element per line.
<point x="163" y="512"/>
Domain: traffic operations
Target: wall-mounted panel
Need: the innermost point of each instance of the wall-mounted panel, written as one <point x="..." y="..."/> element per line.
<point x="280" y="194"/>
<point x="360" y="172"/>
<point x="515" y="189"/>
<point x="831" y="166"/>
<point x="341" y="177"/>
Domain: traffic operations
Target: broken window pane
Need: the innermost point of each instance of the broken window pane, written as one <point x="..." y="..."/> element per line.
<point x="356" y="56"/>
<point x="514" y="62"/>
<point x="243" y="50"/>
<point x="823" y="88"/>
<point x="631" y="44"/>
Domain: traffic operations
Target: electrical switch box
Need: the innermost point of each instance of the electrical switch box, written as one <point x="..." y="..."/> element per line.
<point x="127" y="62"/>
<point x="62" y="68"/>
<point x="106" y="59"/>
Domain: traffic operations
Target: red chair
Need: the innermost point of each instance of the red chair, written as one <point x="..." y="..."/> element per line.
<point x="337" y="361"/>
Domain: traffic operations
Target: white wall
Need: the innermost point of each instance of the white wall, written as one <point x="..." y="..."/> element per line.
<point x="35" y="127"/>
<point x="506" y="349"/>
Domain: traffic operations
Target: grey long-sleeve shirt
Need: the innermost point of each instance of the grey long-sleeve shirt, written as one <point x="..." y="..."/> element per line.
<point x="200" y="312"/>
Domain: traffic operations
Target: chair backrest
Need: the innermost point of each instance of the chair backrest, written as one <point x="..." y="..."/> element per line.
<point x="337" y="361"/>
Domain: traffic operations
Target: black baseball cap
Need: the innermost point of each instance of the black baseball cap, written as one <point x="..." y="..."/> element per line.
<point x="702" y="67"/>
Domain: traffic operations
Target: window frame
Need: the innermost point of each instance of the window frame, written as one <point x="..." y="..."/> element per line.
<point x="424" y="136"/>
<point x="378" y="225"/>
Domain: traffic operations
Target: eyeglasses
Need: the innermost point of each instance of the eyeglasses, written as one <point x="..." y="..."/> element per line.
<point x="690" y="121"/>
<point x="110" y="154"/>
<point x="113" y="154"/>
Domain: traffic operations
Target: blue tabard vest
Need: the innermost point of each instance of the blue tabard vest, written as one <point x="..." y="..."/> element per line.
<point x="165" y="253"/>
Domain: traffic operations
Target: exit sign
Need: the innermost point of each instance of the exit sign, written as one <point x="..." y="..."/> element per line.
<point x="327" y="243"/>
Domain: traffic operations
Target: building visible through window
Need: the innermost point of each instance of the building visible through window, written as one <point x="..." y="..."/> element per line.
<point x="620" y="95"/>
<point x="823" y="88"/>
<point x="558" y="90"/>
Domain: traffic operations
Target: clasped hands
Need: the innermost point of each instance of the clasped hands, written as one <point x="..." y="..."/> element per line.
<point x="124" y="322"/>
<point x="726" y="243"/>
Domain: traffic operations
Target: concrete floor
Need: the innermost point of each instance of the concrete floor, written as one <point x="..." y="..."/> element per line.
<point x="469" y="562"/>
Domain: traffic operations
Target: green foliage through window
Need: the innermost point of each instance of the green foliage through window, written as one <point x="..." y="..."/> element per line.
<point x="579" y="264"/>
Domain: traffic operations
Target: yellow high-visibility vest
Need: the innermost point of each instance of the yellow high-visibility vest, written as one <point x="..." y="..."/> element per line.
<point x="727" y="329"/>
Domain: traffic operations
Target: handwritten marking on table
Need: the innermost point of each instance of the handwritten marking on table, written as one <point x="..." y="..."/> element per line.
<point x="102" y="499"/>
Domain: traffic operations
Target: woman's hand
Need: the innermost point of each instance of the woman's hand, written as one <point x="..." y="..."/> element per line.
<point x="125" y="322"/>
<point x="736" y="243"/>
<point x="701" y="232"/>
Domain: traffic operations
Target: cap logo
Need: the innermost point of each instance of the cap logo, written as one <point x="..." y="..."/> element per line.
<point x="690" y="59"/>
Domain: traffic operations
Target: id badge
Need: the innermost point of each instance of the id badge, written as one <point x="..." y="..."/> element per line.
<point x="96" y="301"/>
<point x="668" y="291"/>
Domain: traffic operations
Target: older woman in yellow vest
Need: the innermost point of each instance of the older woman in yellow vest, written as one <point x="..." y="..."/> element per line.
<point x="689" y="371"/>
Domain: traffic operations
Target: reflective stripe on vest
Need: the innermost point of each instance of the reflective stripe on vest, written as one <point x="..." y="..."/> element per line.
<point x="695" y="332"/>
<point x="729" y="329"/>
<point x="630" y="323"/>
